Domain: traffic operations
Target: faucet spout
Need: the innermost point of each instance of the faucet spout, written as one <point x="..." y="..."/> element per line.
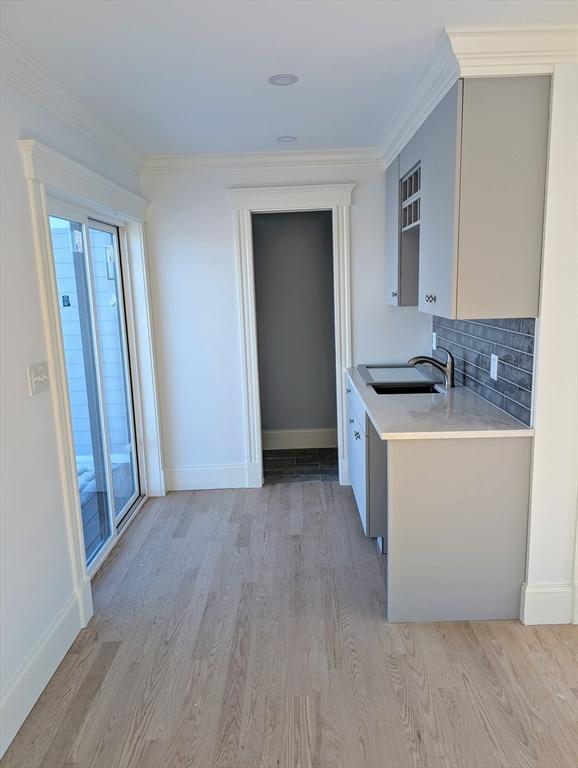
<point x="446" y="368"/>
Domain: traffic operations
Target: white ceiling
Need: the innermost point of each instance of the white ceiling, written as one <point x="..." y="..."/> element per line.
<point x="180" y="76"/>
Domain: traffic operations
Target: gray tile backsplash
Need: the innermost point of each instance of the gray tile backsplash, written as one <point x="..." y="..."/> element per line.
<point x="472" y="342"/>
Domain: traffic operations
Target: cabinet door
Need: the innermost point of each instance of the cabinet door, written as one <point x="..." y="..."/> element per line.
<point x="357" y="447"/>
<point x="439" y="219"/>
<point x="392" y="233"/>
<point x="503" y="167"/>
<point x="377" y="485"/>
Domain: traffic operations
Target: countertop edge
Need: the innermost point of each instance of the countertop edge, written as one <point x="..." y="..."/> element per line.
<point x="518" y="432"/>
<point x="455" y="435"/>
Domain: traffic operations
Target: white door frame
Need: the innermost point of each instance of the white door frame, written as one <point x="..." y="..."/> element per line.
<point x="50" y="174"/>
<point x="337" y="199"/>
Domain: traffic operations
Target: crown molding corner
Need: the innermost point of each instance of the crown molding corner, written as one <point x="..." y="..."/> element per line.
<point x="440" y="72"/>
<point x="24" y="74"/>
<point x="513" y="50"/>
<point x="367" y="156"/>
<point x="476" y="52"/>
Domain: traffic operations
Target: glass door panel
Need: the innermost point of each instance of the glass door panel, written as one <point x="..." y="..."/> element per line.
<point x="88" y="274"/>
<point x="69" y="245"/>
<point x="109" y="319"/>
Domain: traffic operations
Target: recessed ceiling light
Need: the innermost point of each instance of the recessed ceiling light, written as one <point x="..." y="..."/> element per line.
<point x="285" y="79"/>
<point x="286" y="139"/>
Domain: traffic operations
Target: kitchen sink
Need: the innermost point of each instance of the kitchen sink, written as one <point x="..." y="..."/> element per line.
<point x="415" y="388"/>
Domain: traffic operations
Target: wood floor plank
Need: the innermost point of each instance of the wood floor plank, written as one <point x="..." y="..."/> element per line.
<point x="59" y="750"/>
<point x="247" y="629"/>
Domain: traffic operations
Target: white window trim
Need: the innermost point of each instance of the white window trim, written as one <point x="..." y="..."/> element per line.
<point x="49" y="173"/>
<point x="245" y="202"/>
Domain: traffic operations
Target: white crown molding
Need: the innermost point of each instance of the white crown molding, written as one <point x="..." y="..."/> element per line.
<point x="476" y="52"/>
<point x="232" y="161"/>
<point x="23" y="73"/>
<point x="486" y="51"/>
<point x="440" y="73"/>
<point x="70" y="180"/>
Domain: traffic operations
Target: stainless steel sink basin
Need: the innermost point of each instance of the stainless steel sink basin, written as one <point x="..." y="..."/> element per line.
<point x="414" y="388"/>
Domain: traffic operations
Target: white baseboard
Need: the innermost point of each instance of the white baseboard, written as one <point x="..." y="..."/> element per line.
<point x="344" y="478"/>
<point x="85" y="608"/>
<point x="547" y="603"/>
<point x="206" y="477"/>
<point x="254" y="474"/>
<point x="282" y="439"/>
<point x="31" y="678"/>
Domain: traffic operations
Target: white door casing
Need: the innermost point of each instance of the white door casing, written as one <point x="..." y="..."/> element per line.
<point x="245" y="202"/>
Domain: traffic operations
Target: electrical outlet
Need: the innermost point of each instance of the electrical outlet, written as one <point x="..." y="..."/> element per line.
<point x="434" y="340"/>
<point x="494" y="367"/>
<point x="37" y="377"/>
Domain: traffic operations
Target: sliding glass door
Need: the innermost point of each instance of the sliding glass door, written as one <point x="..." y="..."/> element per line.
<point x="90" y="291"/>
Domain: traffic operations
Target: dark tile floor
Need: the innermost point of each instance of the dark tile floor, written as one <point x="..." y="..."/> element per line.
<point x="296" y="465"/>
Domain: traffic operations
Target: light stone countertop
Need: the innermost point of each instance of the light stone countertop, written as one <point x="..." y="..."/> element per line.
<point x="458" y="414"/>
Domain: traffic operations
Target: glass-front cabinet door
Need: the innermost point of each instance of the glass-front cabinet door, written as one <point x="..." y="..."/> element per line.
<point x="88" y="274"/>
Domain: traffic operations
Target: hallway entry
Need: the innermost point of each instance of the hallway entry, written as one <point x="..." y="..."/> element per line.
<point x="293" y="267"/>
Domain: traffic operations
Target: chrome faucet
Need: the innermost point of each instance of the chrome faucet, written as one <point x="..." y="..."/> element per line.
<point x="447" y="369"/>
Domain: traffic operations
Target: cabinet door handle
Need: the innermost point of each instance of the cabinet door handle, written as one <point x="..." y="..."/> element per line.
<point x="430" y="297"/>
<point x="351" y="421"/>
<point x="357" y="435"/>
<point x="394" y="294"/>
<point x="348" y="390"/>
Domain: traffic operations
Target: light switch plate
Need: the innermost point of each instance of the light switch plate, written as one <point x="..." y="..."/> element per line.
<point x="434" y="340"/>
<point x="37" y="377"/>
<point x="494" y="367"/>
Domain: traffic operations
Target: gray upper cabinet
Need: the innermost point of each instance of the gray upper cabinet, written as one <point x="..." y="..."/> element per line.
<point x="403" y="206"/>
<point x="482" y="154"/>
<point x="438" y="252"/>
<point x="392" y="232"/>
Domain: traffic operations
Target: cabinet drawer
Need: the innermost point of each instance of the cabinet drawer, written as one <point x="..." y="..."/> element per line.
<point x="357" y="453"/>
<point x="356" y="403"/>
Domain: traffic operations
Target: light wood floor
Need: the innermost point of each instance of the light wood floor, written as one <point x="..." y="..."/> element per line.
<point x="246" y="628"/>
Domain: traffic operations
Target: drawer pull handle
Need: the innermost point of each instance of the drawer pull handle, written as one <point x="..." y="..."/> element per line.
<point x="348" y="391"/>
<point x="357" y="435"/>
<point x="430" y="297"/>
<point x="351" y="421"/>
<point x="394" y="294"/>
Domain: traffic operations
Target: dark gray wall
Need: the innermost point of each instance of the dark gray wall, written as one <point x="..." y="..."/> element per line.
<point x="473" y="341"/>
<point x="295" y="319"/>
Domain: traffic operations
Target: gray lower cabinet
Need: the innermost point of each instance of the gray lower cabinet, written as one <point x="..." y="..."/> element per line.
<point x="367" y="471"/>
<point x="457" y="517"/>
<point x="357" y="454"/>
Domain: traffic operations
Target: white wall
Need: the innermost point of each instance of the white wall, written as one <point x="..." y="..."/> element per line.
<point x="293" y="265"/>
<point x="549" y="592"/>
<point x="36" y="577"/>
<point x="194" y="284"/>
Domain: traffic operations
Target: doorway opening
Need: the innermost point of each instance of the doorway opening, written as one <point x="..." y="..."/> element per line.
<point x="247" y="202"/>
<point x="295" y="319"/>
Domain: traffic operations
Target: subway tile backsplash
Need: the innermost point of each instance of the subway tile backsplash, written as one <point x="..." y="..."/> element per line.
<point x="472" y="342"/>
